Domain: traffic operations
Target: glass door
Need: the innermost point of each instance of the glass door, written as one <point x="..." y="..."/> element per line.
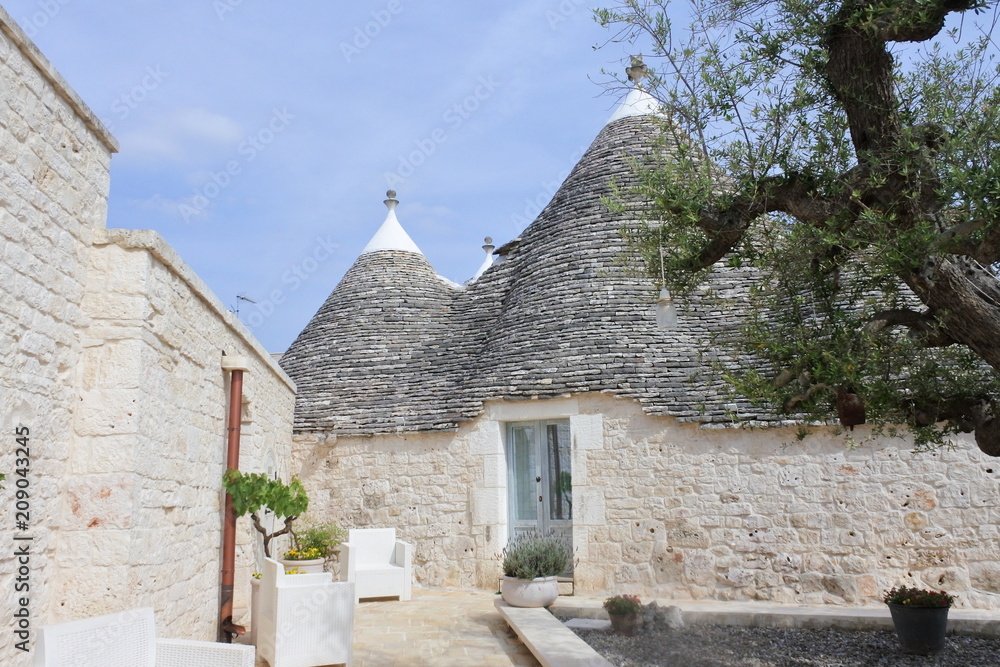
<point x="540" y="479"/>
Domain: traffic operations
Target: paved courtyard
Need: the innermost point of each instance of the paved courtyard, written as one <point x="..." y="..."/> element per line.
<point x="439" y="628"/>
<point x="462" y="628"/>
<point x="458" y="628"/>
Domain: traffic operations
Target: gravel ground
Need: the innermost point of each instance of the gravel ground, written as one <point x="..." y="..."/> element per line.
<point x="736" y="646"/>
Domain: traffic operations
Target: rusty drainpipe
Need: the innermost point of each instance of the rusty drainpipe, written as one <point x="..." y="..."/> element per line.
<point x="236" y="366"/>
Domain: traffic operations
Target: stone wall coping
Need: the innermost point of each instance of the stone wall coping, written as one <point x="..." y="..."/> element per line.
<point x="976" y="622"/>
<point x="551" y="642"/>
<point x="156" y="245"/>
<point x="63" y="89"/>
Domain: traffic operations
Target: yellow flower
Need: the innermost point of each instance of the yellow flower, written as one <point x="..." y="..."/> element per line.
<point x="307" y="554"/>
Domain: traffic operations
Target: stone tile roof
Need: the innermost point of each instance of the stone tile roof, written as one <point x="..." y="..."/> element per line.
<point x="394" y="349"/>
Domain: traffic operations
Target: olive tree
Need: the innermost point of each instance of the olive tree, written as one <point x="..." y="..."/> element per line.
<point x="850" y="151"/>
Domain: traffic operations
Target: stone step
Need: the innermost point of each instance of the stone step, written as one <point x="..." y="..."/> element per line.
<point x="551" y="642"/>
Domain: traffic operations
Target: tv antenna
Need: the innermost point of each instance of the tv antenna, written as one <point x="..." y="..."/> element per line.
<point x="240" y="297"/>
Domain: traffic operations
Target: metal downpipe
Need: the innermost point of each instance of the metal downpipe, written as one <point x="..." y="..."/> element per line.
<point x="227" y="629"/>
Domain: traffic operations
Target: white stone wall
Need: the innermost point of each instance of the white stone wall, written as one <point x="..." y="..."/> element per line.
<point x="110" y="353"/>
<point x="755" y="514"/>
<point x="142" y="522"/>
<point x="411" y="483"/>
<point x="669" y="510"/>
<point x="53" y="197"/>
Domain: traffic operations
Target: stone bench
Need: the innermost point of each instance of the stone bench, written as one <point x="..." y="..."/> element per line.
<point x="551" y="642"/>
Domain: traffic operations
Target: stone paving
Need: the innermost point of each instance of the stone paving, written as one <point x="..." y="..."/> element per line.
<point x="436" y="627"/>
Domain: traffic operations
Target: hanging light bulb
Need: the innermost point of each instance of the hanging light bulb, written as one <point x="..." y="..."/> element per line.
<point x="666" y="311"/>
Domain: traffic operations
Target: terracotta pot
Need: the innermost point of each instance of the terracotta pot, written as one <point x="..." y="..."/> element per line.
<point x="539" y="592"/>
<point x="921" y="630"/>
<point x="311" y="565"/>
<point x="624" y="624"/>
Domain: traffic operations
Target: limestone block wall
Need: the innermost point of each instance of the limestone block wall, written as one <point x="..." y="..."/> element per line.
<point x="54" y="161"/>
<point x="669" y="510"/>
<point x="110" y="356"/>
<point x="420" y="484"/>
<point x="142" y="501"/>
<point x="757" y="515"/>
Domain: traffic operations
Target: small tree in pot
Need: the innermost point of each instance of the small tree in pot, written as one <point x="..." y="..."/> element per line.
<point x="623" y="610"/>
<point x="531" y="563"/>
<point x="252" y="492"/>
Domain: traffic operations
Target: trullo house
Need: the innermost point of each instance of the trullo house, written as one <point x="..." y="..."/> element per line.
<point x="543" y="395"/>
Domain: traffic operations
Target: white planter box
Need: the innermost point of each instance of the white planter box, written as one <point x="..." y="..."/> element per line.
<point x="310" y="566"/>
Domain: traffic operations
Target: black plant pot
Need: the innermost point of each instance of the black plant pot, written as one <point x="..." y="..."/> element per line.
<point x="921" y="630"/>
<point x="624" y="624"/>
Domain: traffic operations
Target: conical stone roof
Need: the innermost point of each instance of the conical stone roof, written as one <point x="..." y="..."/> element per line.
<point x="562" y="314"/>
<point x="577" y="318"/>
<point x="370" y="359"/>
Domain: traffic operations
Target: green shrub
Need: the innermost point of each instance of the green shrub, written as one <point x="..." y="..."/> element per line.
<point x="530" y="556"/>
<point x="323" y="537"/>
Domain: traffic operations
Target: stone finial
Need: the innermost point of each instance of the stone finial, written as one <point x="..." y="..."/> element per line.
<point x="487" y="261"/>
<point x="391" y="202"/>
<point x="638" y="71"/>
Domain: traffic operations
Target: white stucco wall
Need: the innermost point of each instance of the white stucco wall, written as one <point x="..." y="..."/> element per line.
<point x="670" y="510"/>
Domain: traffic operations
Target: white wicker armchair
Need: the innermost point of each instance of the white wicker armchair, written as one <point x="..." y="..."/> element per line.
<point x="128" y="639"/>
<point x="377" y="563"/>
<point x="305" y="619"/>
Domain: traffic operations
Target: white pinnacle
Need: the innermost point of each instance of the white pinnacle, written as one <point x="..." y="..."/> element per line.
<point x="637" y="103"/>
<point x="391" y="235"/>
<point x="487" y="262"/>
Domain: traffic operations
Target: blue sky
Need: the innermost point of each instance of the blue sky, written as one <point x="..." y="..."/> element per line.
<point x="259" y="138"/>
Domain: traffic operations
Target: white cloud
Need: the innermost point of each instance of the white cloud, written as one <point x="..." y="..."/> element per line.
<point x="205" y="125"/>
<point x="184" y="209"/>
<point x="181" y="134"/>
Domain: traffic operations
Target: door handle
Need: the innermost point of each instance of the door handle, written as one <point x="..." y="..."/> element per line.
<point x="538" y="479"/>
<point x="539" y="499"/>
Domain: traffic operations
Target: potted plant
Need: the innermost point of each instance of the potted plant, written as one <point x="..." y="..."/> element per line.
<point x="623" y="610"/>
<point x="256" y="490"/>
<point x="920" y="618"/>
<point x="531" y="563"/>
<point x="312" y="546"/>
<point x="306" y="560"/>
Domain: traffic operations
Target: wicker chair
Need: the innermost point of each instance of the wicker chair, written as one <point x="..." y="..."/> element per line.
<point x="377" y="563"/>
<point x="305" y="619"/>
<point x="128" y="639"/>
